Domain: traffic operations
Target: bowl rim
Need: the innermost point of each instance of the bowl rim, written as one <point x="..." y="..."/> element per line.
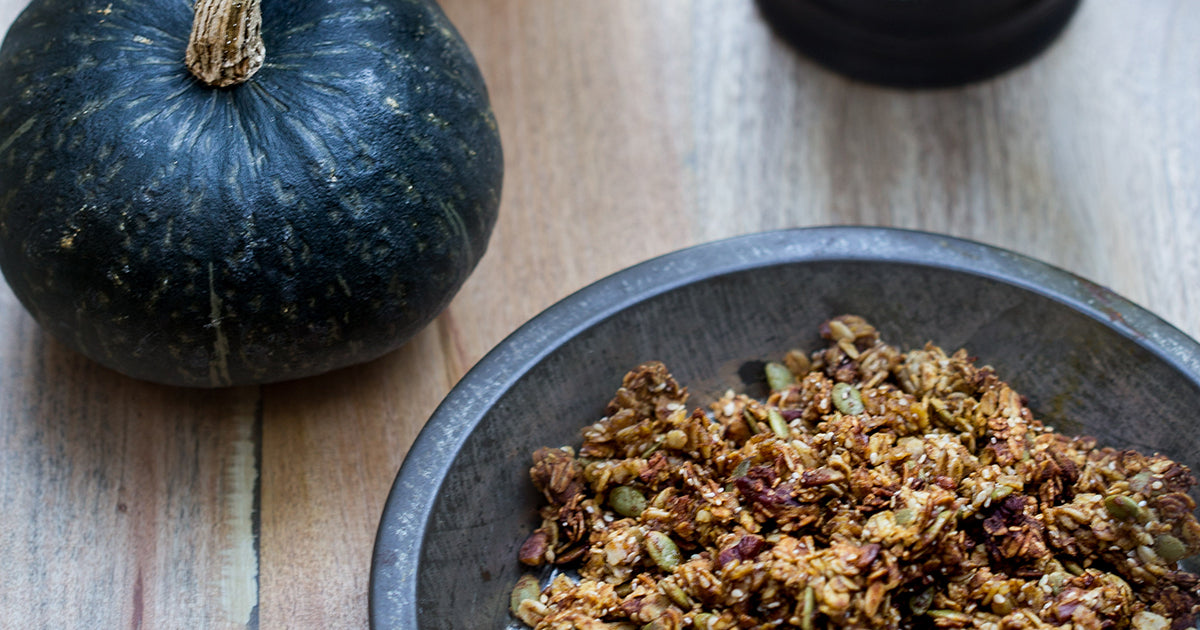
<point x="395" y="562"/>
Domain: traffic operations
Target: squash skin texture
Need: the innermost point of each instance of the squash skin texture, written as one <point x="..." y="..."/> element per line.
<point x="315" y="217"/>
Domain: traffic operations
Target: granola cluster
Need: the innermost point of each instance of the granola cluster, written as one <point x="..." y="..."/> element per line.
<point x="873" y="488"/>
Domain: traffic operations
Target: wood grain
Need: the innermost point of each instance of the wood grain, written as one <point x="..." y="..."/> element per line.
<point x="630" y="129"/>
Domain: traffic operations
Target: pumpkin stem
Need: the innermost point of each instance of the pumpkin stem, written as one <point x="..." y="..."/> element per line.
<point x="226" y="46"/>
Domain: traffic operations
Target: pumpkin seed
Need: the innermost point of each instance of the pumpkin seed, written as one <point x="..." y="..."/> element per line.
<point x="999" y="492"/>
<point x="1141" y="482"/>
<point x="742" y="468"/>
<point x="1121" y="507"/>
<point x="662" y="550"/>
<point x="1056" y="580"/>
<point x="809" y="609"/>
<point x="919" y="604"/>
<point x="676" y="594"/>
<point x="527" y="588"/>
<point x="703" y="621"/>
<point x="779" y="377"/>
<point x="847" y="399"/>
<point x="627" y="501"/>
<point x="778" y="424"/>
<point x="905" y="516"/>
<point x="751" y="421"/>
<point x="952" y="616"/>
<point x="1169" y="548"/>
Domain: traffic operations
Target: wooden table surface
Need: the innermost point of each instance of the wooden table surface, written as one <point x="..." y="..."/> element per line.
<point x="630" y="129"/>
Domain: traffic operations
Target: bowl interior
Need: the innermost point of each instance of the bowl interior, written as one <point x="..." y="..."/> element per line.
<point x="1082" y="373"/>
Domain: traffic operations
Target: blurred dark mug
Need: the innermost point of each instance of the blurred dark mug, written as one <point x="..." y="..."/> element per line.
<point x="919" y="43"/>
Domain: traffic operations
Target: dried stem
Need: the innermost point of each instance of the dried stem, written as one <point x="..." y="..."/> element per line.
<point x="226" y="46"/>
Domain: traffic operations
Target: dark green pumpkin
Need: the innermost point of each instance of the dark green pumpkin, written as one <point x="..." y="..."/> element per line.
<point x="316" y="216"/>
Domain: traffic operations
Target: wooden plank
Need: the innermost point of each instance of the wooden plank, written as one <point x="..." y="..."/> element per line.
<point x="125" y="505"/>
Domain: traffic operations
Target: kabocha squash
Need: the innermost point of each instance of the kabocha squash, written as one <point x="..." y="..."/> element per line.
<point x="232" y="193"/>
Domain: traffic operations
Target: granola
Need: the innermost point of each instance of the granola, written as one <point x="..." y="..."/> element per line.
<point x="872" y="488"/>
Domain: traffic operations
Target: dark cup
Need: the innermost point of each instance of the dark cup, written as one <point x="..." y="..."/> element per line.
<point x="919" y="43"/>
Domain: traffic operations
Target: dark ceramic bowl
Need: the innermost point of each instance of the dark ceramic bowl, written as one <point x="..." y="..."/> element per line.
<point x="1089" y="361"/>
<point x="919" y="43"/>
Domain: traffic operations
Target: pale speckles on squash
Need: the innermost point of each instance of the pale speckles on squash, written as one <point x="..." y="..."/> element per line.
<point x="85" y="175"/>
<point x="457" y="225"/>
<point x="21" y="130"/>
<point x="421" y="142"/>
<point x="160" y="288"/>
<point x="84" y="64"/>
<point x="168" y="234"/>
<point x="282" y="192"/>
<point x="351" y="200"/>
<point x="114" y="276"/>
<point x="34" y="167"/>
<point x="404" y="185"/>
<point x="188" y="246"/>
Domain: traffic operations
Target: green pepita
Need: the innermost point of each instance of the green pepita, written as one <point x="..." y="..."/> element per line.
<point x="847" y="399"/>
<point x="952" y="616"/>
<point x="999" y="492"/>
<point x="778" y="425"/>
<point x="627" y="501"/>
<point x="741" y="469"/>
<point x="662" y="550"/>
<point x="808" y="611"/>
<point x="527" y="588"/>
<point x="905" y="516"/>
<point x="919" y="604"/>
<point x="751" y="421"/>
<point x="779" y="377"/>
<point x="676" y="594"/>
<point x="1121" y="507"/>
<point x="1169" y="548"/>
